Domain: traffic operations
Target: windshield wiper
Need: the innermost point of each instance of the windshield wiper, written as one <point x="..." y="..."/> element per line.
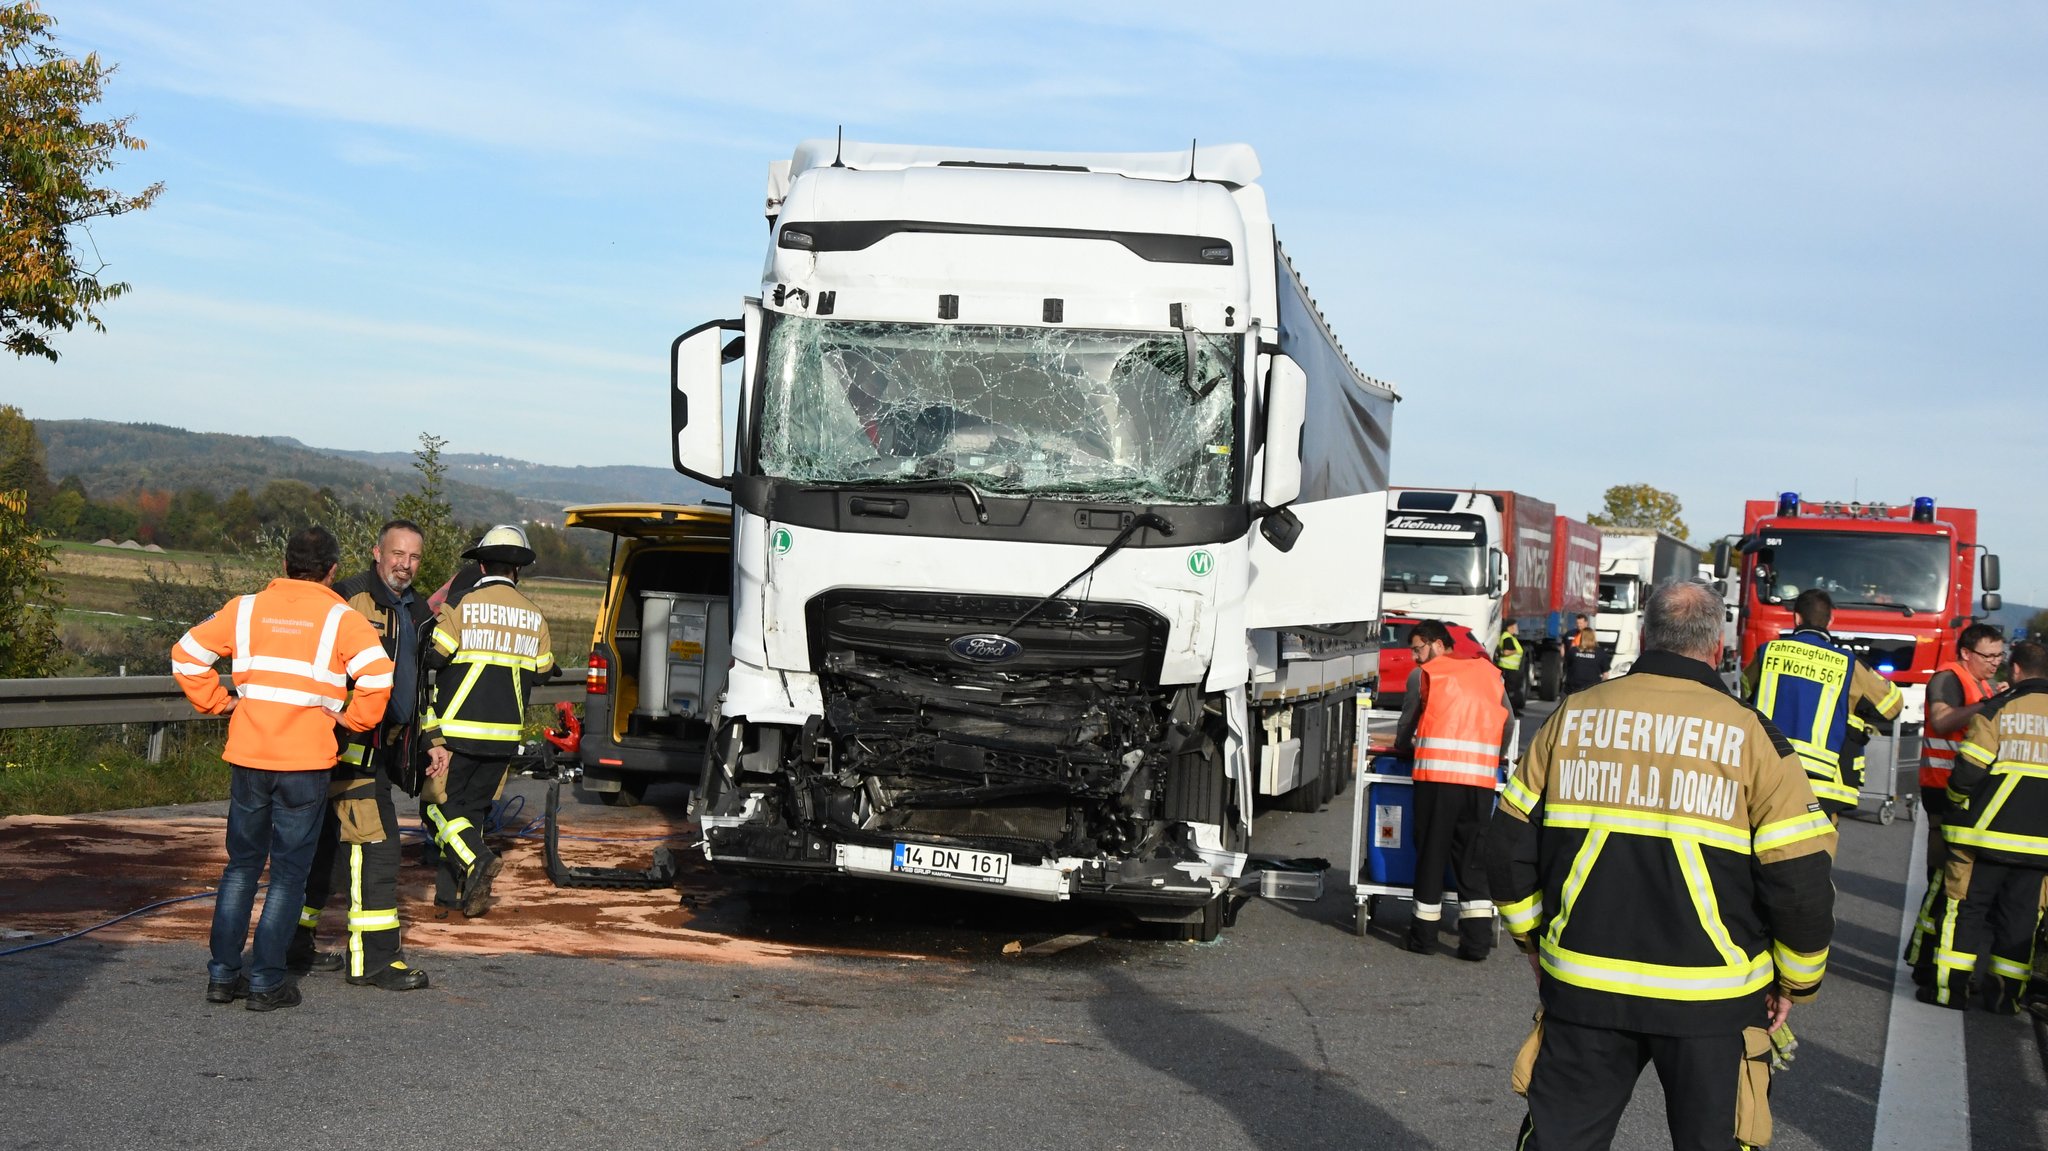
<point x="973" y="493"/>
<point x="1897" y="607"/>
<point x="1151" y="520"/>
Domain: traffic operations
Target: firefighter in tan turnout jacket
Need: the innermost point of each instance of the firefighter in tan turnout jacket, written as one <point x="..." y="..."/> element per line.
<point x="358" y="854"/>
<point x="1997" y="832"/>
<point x="489" y="649"/>
<point x="1660" y="856"/>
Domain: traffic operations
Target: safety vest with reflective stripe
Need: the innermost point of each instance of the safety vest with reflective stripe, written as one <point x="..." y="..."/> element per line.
<point x="1510" y="655"/>
<point x="1938" y="750"/>
<point x="294" y="649"/>
<point x="1458" y="735"/>
<point x="1807" y="686"/>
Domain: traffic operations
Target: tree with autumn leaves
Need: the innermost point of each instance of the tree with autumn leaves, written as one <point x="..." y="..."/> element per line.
<point x="51" y="159"/>
<point x="1639" y="506"/>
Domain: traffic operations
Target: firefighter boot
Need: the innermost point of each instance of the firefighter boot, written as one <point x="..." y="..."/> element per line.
<point x="304" y="954"/>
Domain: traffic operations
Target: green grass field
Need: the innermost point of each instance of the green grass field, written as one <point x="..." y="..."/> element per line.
<point x="64" y="770"/>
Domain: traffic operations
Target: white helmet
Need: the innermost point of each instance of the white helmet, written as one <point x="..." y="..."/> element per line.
<point x="504" y="544"/>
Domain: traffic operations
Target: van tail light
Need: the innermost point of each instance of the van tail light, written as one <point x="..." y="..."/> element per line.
<point x="598" y="681"/>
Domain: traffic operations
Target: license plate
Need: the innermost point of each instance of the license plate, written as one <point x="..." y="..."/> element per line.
<point x="951" y="862"/>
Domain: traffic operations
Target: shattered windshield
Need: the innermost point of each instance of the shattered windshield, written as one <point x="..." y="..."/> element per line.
<point x="1008" y="409"/>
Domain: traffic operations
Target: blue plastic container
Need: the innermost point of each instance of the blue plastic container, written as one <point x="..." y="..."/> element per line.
<point x="1390" y="824"/>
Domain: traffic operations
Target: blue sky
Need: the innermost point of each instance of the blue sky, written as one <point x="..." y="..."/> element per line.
<point x="1727" y="249"/>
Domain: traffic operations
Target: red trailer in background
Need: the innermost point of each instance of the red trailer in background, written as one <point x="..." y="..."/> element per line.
<point x="1901" y="578"/>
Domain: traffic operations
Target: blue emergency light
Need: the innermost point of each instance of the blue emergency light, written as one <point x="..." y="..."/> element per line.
<point x="1788" y="503"/>
<point x="1923" y="510"/>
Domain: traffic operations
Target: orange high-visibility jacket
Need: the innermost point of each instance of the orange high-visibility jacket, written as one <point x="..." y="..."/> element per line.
<point x="1458" y="735"/>
<point x="293" y="647"/>
<point x="1938" y="748"/>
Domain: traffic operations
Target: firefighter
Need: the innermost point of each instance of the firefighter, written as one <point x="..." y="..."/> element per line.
<point x="1957" y="692"/>
<point x="1659" y="855"/>
<point x="1997" y="834"/>
<point x="294" y="649"/>
<point x="1508" y="657"/>
<point x="359" y="846"/>
<point x="1810" y="688"/>
<point x="489" y="649"/>
<point x="1455" y="723"/>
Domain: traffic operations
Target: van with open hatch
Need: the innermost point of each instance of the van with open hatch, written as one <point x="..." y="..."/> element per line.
<point x="661" y="646"/>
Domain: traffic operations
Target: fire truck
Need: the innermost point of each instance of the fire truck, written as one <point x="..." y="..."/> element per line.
<point x="1900" y="575"/>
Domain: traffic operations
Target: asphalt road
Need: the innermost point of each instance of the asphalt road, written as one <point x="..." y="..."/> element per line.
<point x="916" y="1031"/>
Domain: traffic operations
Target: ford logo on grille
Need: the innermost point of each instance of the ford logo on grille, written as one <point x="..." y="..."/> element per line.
<point x="985" y="647"/>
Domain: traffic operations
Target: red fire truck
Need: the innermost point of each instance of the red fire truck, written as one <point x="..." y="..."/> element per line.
<point x="1900" y="576"/>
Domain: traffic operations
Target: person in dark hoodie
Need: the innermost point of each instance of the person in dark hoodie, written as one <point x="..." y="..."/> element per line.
<point x="358" y="850"/>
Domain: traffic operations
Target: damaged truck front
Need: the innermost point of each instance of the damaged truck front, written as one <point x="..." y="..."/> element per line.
<point x="1057" y="526"/>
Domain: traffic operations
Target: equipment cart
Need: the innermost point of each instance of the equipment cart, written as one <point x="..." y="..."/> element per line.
<point x="1382" y="817"/>
<point x="1881" y="767"/>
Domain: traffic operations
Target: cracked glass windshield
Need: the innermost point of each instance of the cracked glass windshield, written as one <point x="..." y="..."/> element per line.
<point x="1007" y="409"/>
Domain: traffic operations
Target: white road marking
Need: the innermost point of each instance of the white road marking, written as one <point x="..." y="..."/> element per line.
<point x="1923" y="1100"/>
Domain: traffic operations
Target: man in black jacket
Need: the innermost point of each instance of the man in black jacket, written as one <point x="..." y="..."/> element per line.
<point x="359" y="848"/>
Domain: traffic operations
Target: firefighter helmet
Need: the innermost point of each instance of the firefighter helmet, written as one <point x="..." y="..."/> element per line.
<point x="504" y="544"/>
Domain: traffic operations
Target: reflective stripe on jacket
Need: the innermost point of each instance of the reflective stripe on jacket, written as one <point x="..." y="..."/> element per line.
<point x="2000" y="780"/>
<point x="490" y="649"/>
<point x="293" y="650"/>
<point x="1661" y="851"/>
<point x="1458" y="735"/>
<point x="368" y="596"/>
<point x="1809" y="687"/>
<point x="1938" y="749"/>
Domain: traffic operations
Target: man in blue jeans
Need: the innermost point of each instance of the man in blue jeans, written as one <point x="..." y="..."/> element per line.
<point x="294" y="649"/>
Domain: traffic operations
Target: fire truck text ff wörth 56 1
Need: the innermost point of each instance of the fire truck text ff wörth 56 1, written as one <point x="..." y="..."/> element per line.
<point x="1901" y="578"/>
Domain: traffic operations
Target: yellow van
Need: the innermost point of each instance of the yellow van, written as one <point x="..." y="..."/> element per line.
<point x="659" y="655"/>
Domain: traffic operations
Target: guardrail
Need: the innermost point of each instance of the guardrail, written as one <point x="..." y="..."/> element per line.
<point x="89" y="701"/>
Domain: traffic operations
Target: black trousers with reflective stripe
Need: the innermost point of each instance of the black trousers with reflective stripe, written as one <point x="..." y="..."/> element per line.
<point x="366" y="874"/>
<point x="1999" y="911"/>
<point x="457" y="825"/>
<point x="1584" y="1077"/>
<point x="1450" y="830"/>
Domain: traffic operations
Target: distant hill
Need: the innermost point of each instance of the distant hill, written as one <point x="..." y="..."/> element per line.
<point x="578" y="485"/>
<point x="2013" y="615"/>
<point x="113" y="458"/>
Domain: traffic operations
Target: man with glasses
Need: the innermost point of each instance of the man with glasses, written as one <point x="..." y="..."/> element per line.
<point x="1958" y="692"/>
<point x="1456" y="724"/>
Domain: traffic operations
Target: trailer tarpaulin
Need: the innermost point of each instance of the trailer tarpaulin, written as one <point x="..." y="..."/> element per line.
<point x="1347" y="436"/>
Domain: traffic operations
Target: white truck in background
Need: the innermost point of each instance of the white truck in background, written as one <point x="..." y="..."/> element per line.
<point x="1632" y="561"/>
<point x="1042" y="460"/>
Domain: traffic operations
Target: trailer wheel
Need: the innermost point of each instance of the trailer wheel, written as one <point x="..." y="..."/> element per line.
<point x="1551" y="661"/>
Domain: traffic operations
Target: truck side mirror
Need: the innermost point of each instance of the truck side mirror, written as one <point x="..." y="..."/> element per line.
<point x="1286" y="409"/>
<point x="1992" y="601"/>
<point x="1987" y="573"/>
<point x="1722" y="561"/>
<point x="1496" y="566"/>
<point x="1281" y="528"/>
<point x="696" y="401"/>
